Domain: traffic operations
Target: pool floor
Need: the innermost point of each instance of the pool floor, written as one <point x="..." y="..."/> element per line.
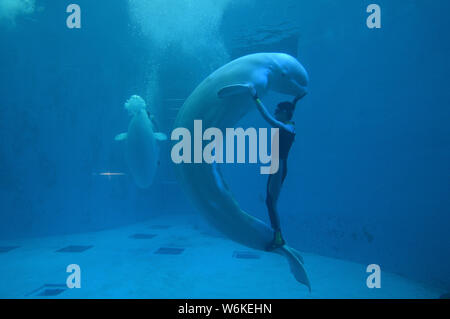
<point x="170" y="258"/>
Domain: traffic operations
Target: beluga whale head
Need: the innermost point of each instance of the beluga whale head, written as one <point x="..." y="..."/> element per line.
<point x="286" y="75"/>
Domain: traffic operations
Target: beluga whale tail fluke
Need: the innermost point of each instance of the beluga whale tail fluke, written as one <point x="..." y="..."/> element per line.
<point x="142" y="149"/>
<point x="220" y="101"/>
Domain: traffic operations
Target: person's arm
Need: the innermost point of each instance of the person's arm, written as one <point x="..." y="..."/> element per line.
<point x="266" y="114"/>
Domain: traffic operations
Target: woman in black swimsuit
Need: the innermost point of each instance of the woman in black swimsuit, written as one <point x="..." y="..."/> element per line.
<point x="282" y="120"/>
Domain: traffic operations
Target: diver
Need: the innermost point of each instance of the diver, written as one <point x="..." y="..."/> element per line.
<point x="282" y="121"/>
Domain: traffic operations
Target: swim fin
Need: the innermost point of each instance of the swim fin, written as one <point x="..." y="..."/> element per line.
<point x="296" y="266"/>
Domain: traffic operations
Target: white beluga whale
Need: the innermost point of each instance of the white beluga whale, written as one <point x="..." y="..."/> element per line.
<point x="142" y="149"/>
<point x="220" y="101"/>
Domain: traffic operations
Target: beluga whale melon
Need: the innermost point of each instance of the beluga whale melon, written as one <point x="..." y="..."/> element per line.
<point x="142" y="149"/>
<point x="220" y="101"/>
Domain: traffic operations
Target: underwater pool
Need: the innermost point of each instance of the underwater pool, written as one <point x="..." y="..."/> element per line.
<point x="145" y="151"/>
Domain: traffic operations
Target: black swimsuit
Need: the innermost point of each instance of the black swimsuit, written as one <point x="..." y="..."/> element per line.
<point x="286" y="140"/>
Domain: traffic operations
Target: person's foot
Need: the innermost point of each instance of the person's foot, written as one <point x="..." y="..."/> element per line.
<point x="277" y="241"/>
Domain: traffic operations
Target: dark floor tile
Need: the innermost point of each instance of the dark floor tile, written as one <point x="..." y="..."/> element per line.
<point x="48" y="290"/>
<point x="51" y="292"/>
<point x="245" y="255"/>
<point x="5" y="249"/>
<point x="142" y="236"/>
<point x="169" y="251"/>
<point x="74" y="249"/>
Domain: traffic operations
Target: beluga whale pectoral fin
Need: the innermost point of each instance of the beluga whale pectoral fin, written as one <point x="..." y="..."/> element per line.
<point x="121" y="137"/>
<point x="160" y="136"/>
<point x="232" y="90"/>
<point x="296" y="265"/>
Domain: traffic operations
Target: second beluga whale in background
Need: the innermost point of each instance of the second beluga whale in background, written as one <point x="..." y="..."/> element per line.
<point x="142" y="149"/>
<point x="220" y="101"/>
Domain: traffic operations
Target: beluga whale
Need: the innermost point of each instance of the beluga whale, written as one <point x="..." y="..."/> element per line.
<point x="142" y="149"/>
<point x="220" y="101"/>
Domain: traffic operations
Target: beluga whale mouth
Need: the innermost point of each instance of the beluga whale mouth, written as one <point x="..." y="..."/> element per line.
<point x="204" y="183"/>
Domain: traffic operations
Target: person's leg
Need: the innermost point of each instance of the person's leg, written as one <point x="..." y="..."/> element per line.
<point x="273" y="191"/>
<point x="273" y="214"/>
<point x="284" y="171"/>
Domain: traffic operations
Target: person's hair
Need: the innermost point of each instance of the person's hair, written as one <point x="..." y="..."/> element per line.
<point x="286" y="106"/>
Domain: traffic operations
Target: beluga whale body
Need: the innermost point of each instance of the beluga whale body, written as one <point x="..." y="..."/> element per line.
<point x="220" y="101"/>
<point x="142" y="149"/>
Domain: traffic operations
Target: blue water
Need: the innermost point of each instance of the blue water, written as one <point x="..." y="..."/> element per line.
<point x="368" y="174"/>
